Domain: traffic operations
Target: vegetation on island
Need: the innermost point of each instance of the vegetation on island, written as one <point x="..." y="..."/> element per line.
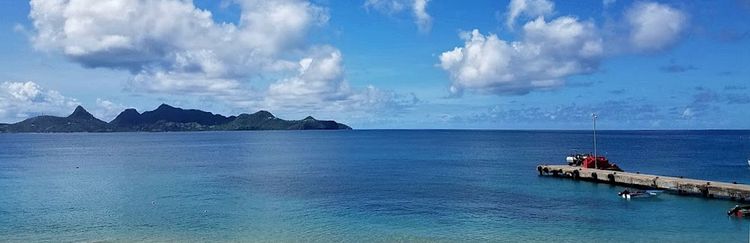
<point x="166" y="118"/>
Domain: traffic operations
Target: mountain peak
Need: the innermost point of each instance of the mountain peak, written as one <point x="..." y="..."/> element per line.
<point x="130" y="111"/>
<point x="264" y="113"/>
<point x="165" y="106"/>
<point x="127" y="117"/>
<point x="165" y="118"/>
<point x="81" y="113"/>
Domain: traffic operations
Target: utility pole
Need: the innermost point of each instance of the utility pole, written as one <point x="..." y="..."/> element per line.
<point x="596" y="159"/>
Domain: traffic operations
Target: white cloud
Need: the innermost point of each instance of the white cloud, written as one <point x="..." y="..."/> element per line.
<point x="20" y="100"/>
<point x="688" y="113"/>
<point x="418" y="8"/>
<point x="654" y="26"/>
<point x="160" y="41"/>
<point x="388" y="6"/>
<point x="175" y="82"/>
<point x="107" y="110"/>
<point x="319" y="77"/>
<point x="277" y="25"/>
<point x="423" y="19"/>
<point x="528" y="8"/>
<point x="320" y="84"/>
<point x="172" y="47"/>
<point x="546" y="54"/>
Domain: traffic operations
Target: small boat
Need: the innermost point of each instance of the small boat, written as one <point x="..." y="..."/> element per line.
<point x="627" y="194"/>
<point x="739" y="211"/>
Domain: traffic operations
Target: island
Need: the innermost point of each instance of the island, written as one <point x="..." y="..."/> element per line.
<point x="165" y="118"/>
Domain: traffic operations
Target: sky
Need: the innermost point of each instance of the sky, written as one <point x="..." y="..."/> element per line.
<point x="386" y="64"/>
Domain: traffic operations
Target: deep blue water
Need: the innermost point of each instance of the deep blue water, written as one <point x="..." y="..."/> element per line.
<point x="357" y="186"/>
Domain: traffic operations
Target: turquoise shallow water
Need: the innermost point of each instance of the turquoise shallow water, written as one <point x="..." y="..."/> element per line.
<point x="357" y="186"/>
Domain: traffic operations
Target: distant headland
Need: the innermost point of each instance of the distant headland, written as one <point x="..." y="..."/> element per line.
<point x="166" y="118"/>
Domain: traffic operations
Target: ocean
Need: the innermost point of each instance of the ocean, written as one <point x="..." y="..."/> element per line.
<point x="358" y="186"/>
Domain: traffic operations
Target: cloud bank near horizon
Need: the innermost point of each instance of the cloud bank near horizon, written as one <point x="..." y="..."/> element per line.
<point x="20" y="100"/>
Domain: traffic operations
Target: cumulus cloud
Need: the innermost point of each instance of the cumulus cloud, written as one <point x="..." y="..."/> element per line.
<point x="175" y="82"/>
<point x="20" y="100"/>
<point x="320" y="77"/>
<point x="106" y="109"/>
<point x="527" y="8"/>
<point x="418" y="8"/>
<point x="172" y="46"/>
<point x="546" y="54"/>
<point x="320" y="84"/>
<point x="654" y="26"/>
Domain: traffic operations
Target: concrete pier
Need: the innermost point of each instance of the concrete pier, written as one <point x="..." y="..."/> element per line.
<point x="703" y="188"/>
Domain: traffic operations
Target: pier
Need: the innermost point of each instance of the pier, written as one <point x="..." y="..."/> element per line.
<point x="678" y="185"/>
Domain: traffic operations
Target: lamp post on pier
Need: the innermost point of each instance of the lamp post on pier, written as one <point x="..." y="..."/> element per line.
<point x="596" y="159"/>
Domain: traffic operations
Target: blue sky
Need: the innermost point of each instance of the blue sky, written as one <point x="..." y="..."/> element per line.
<point x="521" y="64"/>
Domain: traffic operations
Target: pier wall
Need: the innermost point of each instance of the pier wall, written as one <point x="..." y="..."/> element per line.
<point x="703" y="188"/>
